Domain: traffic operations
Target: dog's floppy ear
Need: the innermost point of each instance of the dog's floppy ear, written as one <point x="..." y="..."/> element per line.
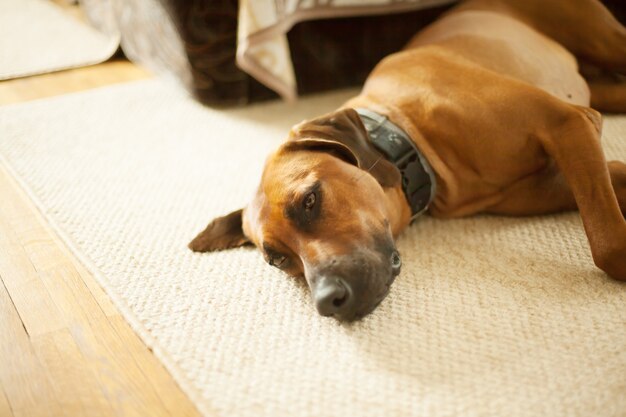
<point x="222" y="233"/>
<point x="342" y="133"/>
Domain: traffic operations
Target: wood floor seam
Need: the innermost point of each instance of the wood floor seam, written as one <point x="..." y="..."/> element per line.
<point x="14" y="306"/>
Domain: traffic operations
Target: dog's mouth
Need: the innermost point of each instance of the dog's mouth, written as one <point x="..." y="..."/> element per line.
<point x="360" y="314"/>
<point x="396" y="264"/>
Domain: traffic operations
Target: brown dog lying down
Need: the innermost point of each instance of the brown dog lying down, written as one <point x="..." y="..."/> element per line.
<point x="483" y="112"/>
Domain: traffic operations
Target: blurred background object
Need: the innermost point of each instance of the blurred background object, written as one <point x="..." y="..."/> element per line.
<point x="197" y="40"/>
<point x="228" y="52"/>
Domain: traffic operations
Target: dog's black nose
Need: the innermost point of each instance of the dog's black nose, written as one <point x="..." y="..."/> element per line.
<point x="331" y="296"/>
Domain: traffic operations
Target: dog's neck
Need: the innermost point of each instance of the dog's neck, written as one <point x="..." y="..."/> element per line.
<point x="398" y="211"/>
<point x="418" y="178"/>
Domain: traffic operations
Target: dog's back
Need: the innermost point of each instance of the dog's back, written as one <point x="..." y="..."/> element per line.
<point x="508" y="46"/>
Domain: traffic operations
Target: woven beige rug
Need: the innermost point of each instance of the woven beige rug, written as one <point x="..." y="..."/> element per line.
<point x="491" y="316"/>
<point x="37" y="36"/>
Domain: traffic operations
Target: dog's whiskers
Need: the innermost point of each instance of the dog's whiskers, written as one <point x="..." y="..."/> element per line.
<point x="368" y="170"/>
<point x="374" y="164"/>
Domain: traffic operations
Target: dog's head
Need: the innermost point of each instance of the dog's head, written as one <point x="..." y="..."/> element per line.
<point x="328" y="208"/>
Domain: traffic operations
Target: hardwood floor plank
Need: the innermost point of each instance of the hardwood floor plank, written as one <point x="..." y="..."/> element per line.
<point x="36" y="309"/>
<point x="103" y="300"/>
<point x="32" y="301"/>
<point x="139" y="393"/>
<point x="47" y="85"/>
<point x="5" y="408"/>
<point x="14" y="264"/>
<point x="176" y="403"/>
<point x="38" y="313"/>
<point x="24" y="380"/>
<point x="19" y="217"/>
<point x="75" y="385"/>
<point x="39" y="410"/>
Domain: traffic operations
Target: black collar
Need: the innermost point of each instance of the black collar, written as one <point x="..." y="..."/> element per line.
<point x="418" y="178"/>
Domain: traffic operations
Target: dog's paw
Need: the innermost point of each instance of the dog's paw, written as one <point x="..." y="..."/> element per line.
<point x="612" y="259"/>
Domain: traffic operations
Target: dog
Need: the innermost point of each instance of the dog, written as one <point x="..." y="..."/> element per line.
<point x="484" y="111"/>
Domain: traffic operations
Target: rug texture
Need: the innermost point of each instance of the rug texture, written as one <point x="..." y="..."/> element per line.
<point x="37" y="36"/>
<point x="491" y="316"/>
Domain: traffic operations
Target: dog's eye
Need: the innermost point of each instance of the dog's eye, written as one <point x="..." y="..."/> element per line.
<point x="277" y="260"/>
<point x="309" y="201"/>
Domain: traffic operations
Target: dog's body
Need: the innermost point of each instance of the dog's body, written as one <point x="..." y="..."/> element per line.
<point x="492" y="97"/>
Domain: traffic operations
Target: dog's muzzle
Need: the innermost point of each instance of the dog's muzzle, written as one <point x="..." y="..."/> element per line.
<point x="348" y="292"/>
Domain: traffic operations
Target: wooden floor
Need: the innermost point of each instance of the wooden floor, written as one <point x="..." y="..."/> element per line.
<point x="65" y="350"/>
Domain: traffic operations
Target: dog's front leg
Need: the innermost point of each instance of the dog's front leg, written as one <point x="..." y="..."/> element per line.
<point x="575" y="146"/>
<point x="618" y="178"/>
